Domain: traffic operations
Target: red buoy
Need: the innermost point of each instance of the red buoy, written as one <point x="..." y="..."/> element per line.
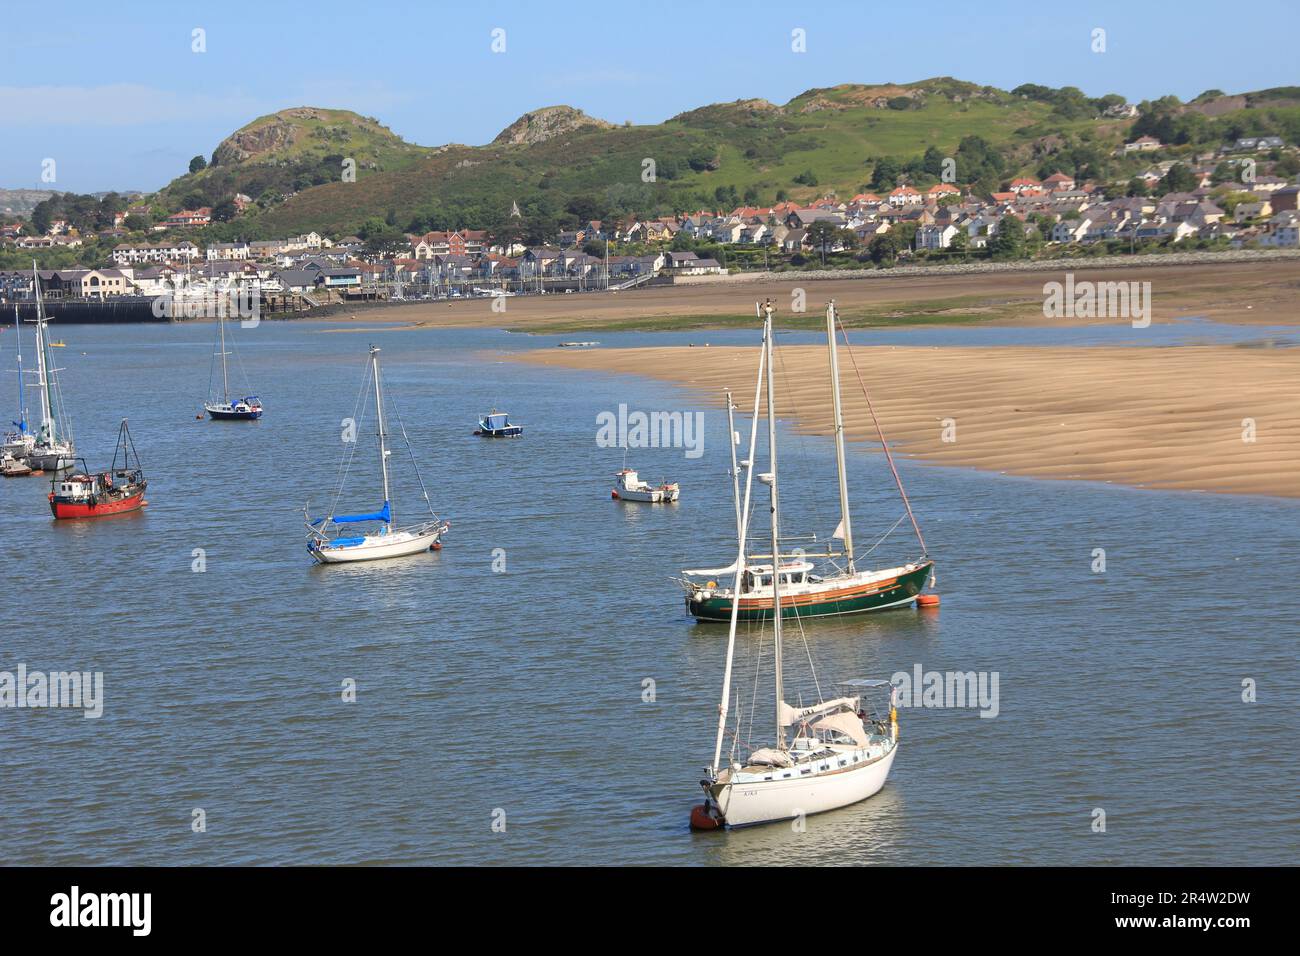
<point x="927" y="600"/>
<point x="614" y="495"/>
<point x="436" y="546"/>
<point x="702" y="819"/>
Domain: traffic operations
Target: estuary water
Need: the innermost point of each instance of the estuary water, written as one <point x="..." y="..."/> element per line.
<point x="507" y="678"/>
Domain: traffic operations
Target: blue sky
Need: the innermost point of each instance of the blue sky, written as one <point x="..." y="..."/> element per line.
<point x="114" y="93"/>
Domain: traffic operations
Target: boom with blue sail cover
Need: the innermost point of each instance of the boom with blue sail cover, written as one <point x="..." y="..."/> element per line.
<point x="385" y="515"/>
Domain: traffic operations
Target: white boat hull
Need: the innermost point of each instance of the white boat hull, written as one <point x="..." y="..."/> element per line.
<point x="648" y="497"/>
<point x="376" y="547"/>
<point x="767" y="801"/>
<point x="51" y="459"/>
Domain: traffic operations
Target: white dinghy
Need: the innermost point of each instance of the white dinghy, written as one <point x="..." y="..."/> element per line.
<point x="630" y="487"/>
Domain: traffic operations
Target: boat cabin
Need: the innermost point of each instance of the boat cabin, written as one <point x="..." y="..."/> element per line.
<point x="497" y="424"/>
<point x="759" y="576"/>
<point x="83" y="485"/>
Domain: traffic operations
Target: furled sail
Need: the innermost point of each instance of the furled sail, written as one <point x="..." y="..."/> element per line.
<point x="791" y="714"/>
<point x="850" y="725"/>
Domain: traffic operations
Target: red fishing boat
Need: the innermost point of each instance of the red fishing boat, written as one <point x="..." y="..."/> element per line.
<point x="83" y="494"/>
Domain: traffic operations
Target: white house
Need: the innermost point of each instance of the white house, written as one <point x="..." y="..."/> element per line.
<point x="227" y="251"/>
<point x="165" y="252"/>
<point x="1284" y="231"/>
<point x="1071" y="230"/>
<point x="935" y="237"/>
<point x="905" y="196"/>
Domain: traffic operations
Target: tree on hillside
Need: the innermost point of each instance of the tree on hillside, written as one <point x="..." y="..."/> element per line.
<point x="225" y="211"/>
<point x="385" y="240"/>
<point x="1287" y="166"/>
<point x="1225" y="172"/>
<point x="825" y="236"/>
<point x="978" y="161"/>
<point x="1179" y="179"/>
<point x="884" y="249"/>
<point x="885" y="175"/>
<point x="1229" y="202"/>
<point x="932" y="161"/>
<point x="198" y="163"/>
<point x="1009" y="241"/>
<point x="42" y="216"/>
<point x="960" y="244"/>
<point x="584" y="209"/>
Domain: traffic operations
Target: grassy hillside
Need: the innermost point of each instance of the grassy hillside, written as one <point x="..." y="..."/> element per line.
<point x="561" y="167"/>
<point x="288" y="152"/>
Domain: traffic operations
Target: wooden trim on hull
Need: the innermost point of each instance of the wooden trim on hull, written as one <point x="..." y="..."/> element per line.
<point x="858" y="599"/>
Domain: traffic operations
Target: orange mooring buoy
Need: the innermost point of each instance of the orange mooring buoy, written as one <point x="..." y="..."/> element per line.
<point x="702" y="819"/>
<point x="927" y="600"/>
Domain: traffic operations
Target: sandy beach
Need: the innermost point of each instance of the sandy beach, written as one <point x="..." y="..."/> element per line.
<point x="1255" y="292"/>
<point x="1171" y="418"/>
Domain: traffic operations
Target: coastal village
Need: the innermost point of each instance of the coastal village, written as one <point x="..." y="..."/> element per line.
<point x="1224" y="203"/>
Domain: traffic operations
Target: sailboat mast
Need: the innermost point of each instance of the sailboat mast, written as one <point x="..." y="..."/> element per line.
<point x="379" y="412"/>
<point x="735" y="474"/>
<point x="225" y="381"/>
<point x="42" y="373"/>
<point x="846" y="524"/>
<point x="776" y="522"/>
<point x="18" y="352"/>
<point x="740" y="560"/>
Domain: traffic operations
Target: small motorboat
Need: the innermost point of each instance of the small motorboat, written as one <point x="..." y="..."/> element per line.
<point x="497" y="424"/>
<point x="631" y="488"/>
<point x="58" y="345"/>
<point x="12" y="467"/>
<point x="119" y="490"/>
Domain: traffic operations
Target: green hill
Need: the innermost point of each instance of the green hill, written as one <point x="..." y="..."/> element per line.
<point x="561" y="166"/>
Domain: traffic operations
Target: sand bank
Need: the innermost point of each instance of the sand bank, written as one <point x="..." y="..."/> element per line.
<point x="1169" y="418"/>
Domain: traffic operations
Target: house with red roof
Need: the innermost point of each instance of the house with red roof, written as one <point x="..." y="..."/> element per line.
<point x="1059" y="182"/>
<point x="190" y="217"/>
<point x="905" y="196"/>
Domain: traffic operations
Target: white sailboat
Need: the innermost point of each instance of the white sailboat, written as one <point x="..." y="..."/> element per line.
<point x="18" y="444"/>
<point x="328" y="545"/>
<point x="824" y="756"/>
<point x="54" y="448"/>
